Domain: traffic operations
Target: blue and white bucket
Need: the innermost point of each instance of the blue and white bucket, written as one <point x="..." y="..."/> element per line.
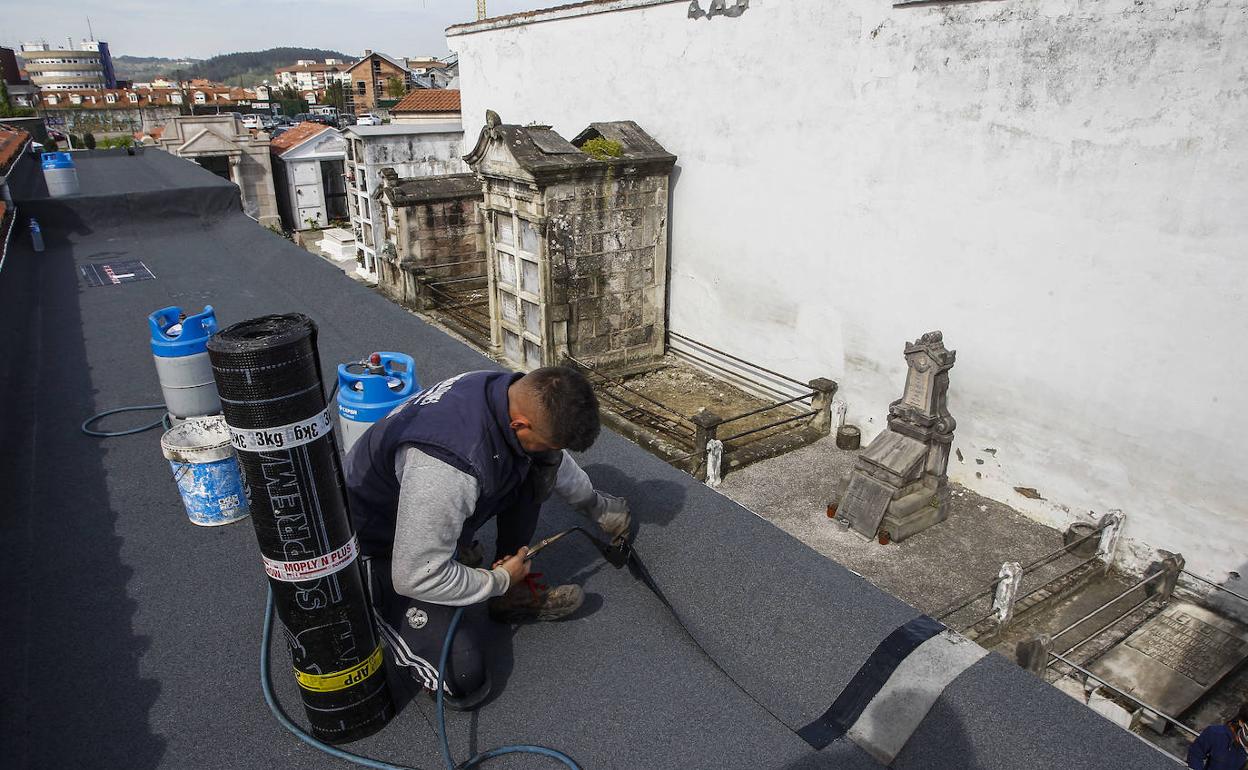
<point x="204" y="466"/>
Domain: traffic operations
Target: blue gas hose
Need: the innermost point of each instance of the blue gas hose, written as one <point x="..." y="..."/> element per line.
<point x="266" y="685"/>
<point x="131" y="431"/>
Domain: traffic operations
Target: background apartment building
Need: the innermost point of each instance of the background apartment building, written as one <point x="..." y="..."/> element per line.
<point x="368" y="79"/>
<point x="85" y="66"/>
<point x="309" y="74"/>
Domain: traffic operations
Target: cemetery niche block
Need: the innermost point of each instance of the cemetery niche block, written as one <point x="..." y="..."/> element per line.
<point x="900" y="482"/>
<point x="432" y="230"/>
<point x="576" y="243"/>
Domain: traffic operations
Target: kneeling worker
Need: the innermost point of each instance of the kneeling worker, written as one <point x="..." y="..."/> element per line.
<point x="1222" y="746"/>
<point x="423" y="480"/>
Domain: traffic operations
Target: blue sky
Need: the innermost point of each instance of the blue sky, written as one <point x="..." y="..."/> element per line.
<point x="202" y="28"/>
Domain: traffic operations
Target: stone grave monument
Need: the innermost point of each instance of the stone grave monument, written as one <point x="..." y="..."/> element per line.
<point x="576" y="243"/>
<point x="899" y="483"/>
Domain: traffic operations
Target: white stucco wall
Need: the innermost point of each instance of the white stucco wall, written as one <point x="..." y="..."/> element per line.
<point x="412" y="151"/>
<point x="1061" y="186"/>
<point x="412" y="155"/>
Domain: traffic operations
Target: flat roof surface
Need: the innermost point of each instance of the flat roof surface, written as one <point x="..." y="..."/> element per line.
<point x="132" y="635"/>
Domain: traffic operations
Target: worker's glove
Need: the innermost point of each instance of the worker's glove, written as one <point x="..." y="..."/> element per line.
<point x="612" y="515"/>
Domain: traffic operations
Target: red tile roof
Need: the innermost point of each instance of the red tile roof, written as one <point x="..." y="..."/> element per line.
<point x="154" y="133"/>
<point x="296" y="136"/>
<point x="12" y="141"/>
<point x="97" y="98"/>
<point x="429" y="100"/>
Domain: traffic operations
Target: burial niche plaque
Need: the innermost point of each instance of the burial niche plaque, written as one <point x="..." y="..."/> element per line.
<point x="1176" y="657"/>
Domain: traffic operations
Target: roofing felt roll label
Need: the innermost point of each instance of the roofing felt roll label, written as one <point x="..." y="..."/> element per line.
<point x="315" y="567"/>
<point x="341" y="680"/>
<point x="289" y="436"/>
<point x="269" y="377"/>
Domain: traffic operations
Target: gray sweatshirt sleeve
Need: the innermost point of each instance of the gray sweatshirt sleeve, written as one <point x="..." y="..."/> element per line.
<point x="574" y="486"/>
<point x="435" y="500"/>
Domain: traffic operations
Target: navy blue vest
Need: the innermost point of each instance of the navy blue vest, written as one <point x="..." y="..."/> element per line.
<point x="463" y="421"/>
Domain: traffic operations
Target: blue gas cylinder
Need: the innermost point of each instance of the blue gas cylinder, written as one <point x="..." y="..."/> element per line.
<point x="180" y="348"/>
<point x="368" y="390"/>
<point x="59" y="173"/>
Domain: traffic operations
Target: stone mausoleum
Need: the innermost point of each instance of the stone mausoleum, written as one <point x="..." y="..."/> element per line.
<point x="434" y="244"/>
<point x="222" y="145"/>
<point x="576" y="243"/>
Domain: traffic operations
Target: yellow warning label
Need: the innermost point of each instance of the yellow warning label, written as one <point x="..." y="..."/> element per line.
<point x="341" y="680"/>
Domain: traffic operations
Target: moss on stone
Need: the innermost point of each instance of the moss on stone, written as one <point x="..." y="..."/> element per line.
<point x="602" y="148"/>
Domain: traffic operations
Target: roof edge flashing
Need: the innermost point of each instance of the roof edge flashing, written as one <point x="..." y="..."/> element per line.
<point x="588" y="8"/>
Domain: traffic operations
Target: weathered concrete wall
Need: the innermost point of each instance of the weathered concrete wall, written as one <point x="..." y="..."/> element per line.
<point x="608" y="265"/>
<point x="108" y="121"/>
<point x="427" y="234"/>
<point x="416" y="154"/>
<point x="1058" y="186"/>
<point x="410" y="155"/>
<point x="442" y="232"/>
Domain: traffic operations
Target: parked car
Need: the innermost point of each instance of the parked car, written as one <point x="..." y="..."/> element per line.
<point x="307" y="117"/>
<point x="345" y="120"/>
<point x="368" y="120"/>
<point x="253" y="121"/>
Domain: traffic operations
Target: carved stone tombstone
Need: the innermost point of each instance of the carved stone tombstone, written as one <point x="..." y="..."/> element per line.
<point x="899" y="483"/>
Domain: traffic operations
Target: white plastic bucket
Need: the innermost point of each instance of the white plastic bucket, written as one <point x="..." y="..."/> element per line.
<point x="206" y="471"/>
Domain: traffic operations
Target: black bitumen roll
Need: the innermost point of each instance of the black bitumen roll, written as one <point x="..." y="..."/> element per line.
<point x="268" y="373"/>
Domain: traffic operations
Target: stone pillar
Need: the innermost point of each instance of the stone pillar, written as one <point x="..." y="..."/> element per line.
<point x="706" y="424"/>
<point x="236" y="174"/>
<point x="824" y="389"/>
<point x="1033" y="654"/>
<point x="424" y="299"/>
<point x="1172" y="564"/>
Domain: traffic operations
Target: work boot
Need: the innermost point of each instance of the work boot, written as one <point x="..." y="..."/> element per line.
<point x="532" y="600"/>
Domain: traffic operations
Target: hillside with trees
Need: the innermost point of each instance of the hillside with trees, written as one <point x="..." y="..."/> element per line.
<point x="144" y="68"/>
<point x="250" y="68"/>
<point x="245" y="68"/>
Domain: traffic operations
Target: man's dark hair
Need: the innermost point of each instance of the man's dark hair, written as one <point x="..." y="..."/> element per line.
<point x="1242" y="714"/>
<point x="569" y="403"/>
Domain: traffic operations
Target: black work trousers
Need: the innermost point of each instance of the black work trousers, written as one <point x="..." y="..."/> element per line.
<point x="415" y="630"/>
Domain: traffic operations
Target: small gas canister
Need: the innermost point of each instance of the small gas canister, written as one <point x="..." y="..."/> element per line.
<point x="368" y="390"/>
